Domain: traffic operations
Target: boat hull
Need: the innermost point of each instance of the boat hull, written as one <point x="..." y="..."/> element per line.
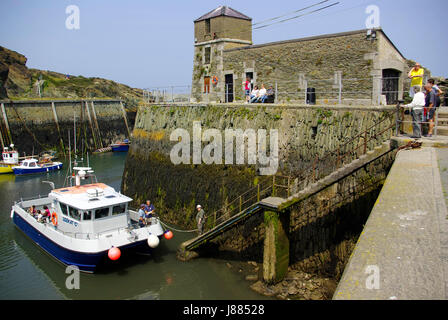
<point x="86" y="262"/>
<point x="22" y="171"/>
<point x="6" y="168"/>
<point x="120" y="147"/>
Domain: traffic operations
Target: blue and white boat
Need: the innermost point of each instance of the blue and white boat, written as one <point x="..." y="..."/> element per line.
<point x="120" y="146"/>
<point x="32" y="165"/>
<point x="88" y="222"/>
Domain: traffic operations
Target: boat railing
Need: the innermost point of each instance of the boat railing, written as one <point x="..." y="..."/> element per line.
<point x="23" y="201"/>
<point x="96" y="235"/>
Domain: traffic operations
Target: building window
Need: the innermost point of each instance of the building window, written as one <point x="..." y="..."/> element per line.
<point x="207" y="55"/>
<point x="207" y="26"/>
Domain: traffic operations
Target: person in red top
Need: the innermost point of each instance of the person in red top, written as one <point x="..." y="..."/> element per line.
<point x="247" y="89"/>
<point x="46" y="214"/>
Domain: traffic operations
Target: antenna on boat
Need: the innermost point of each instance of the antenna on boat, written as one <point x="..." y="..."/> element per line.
<point x="74" y="135"/>
<point x="69" y="153"/>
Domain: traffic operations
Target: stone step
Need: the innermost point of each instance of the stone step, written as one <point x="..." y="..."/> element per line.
<point x="442" y="130"/>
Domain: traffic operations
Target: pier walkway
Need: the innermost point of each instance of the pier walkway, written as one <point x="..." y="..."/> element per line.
<point x="403" y="251"/>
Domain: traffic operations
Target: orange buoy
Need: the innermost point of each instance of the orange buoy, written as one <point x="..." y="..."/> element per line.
<point x="168" y="235"/>
<point x="114" y="253"/>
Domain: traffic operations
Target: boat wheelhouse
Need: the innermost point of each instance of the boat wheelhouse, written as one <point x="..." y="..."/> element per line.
<point x="86" y="222"/>
<point x="10" y="158"/>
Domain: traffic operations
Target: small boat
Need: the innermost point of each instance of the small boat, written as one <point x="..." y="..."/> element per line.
<point x="10" y="158"/>
<point x="89" y="223"/>
<point x="120" y="146"/>
<point x="32" y="165"/>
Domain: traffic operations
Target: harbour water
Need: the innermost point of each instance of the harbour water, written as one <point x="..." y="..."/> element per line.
<point x="27" y="272"/>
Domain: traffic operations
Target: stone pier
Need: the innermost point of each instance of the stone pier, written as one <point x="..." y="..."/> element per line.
<point x="402" y="252"/>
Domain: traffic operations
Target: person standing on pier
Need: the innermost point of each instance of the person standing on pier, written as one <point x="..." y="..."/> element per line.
<point x="430" y="107"/>
<point x="417" y="105"/>
<point x="416" y="75"/>
<point x="200" y="218"/>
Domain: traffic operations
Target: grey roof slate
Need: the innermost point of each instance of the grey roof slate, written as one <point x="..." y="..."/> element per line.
<point x="223" y="11"/>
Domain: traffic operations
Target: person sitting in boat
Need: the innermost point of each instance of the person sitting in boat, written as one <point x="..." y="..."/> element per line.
<point x="141" y="216"/>
<point x="32" y="210"/>
<point x="46" y="214"/>
<point x="39" y="216"/>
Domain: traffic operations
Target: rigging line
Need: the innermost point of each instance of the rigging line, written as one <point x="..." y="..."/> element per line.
<point x="301" y="15"/>
<point x="283" y="15"/>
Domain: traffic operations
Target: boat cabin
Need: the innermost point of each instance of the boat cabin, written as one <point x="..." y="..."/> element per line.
<point x="90" y="209"/>
<point x="10" y="156"/>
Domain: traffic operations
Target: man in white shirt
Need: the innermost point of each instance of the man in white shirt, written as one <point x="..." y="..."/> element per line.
<point x="417" y="105"/>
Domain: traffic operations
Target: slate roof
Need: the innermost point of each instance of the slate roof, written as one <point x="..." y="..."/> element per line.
<point x="223" y="11"/>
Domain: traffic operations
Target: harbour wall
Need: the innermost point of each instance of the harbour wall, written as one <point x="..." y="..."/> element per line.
<point x="45" y="124"/>
<point x="324" y="227"/>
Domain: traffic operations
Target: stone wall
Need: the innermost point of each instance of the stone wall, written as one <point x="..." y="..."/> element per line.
<point x="33" y="124"/>
<point x="303" y="133"/>
<point x="224" y="27"/>
<point x="317" y="62"/>
<point x="322" y="229"/>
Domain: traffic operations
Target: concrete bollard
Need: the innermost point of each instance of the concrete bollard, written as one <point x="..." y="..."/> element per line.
<point x="276" y="248"/>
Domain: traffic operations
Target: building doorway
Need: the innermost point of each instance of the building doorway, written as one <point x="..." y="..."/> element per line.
<point x="390" y="88"/>
<point x="229" y="87"/>
<point x="206" y="84"/>
<point x="250" y="75"/>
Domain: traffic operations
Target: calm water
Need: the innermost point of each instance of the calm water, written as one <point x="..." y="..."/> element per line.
<point x="27" y="272"/>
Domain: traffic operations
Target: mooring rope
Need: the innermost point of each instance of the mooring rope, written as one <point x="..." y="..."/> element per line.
<point x="171" y="228"/>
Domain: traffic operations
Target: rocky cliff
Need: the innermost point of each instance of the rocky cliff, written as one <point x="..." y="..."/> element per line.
<point x="17" y="81"/>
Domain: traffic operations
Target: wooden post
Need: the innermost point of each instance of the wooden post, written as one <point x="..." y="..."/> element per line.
<point x="125" y="119"/>
<point x="55" y="116"/>
<point x="5" y="118"/>
<point x="273" y="185"/>
<point x="96" y="124"/>
<point x="1" y="138"/>
<point x="365" y="142"/>
<point x="91" y="125"/>
<point x="258" y="192"/>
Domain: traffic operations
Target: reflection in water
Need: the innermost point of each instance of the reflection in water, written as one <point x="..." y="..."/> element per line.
<point x="27" y="272"/>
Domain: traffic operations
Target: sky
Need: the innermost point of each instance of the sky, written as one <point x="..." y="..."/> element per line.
<point x="147" y="43"/>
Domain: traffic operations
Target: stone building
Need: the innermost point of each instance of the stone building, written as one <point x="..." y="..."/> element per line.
<point x="357" y="67"/>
